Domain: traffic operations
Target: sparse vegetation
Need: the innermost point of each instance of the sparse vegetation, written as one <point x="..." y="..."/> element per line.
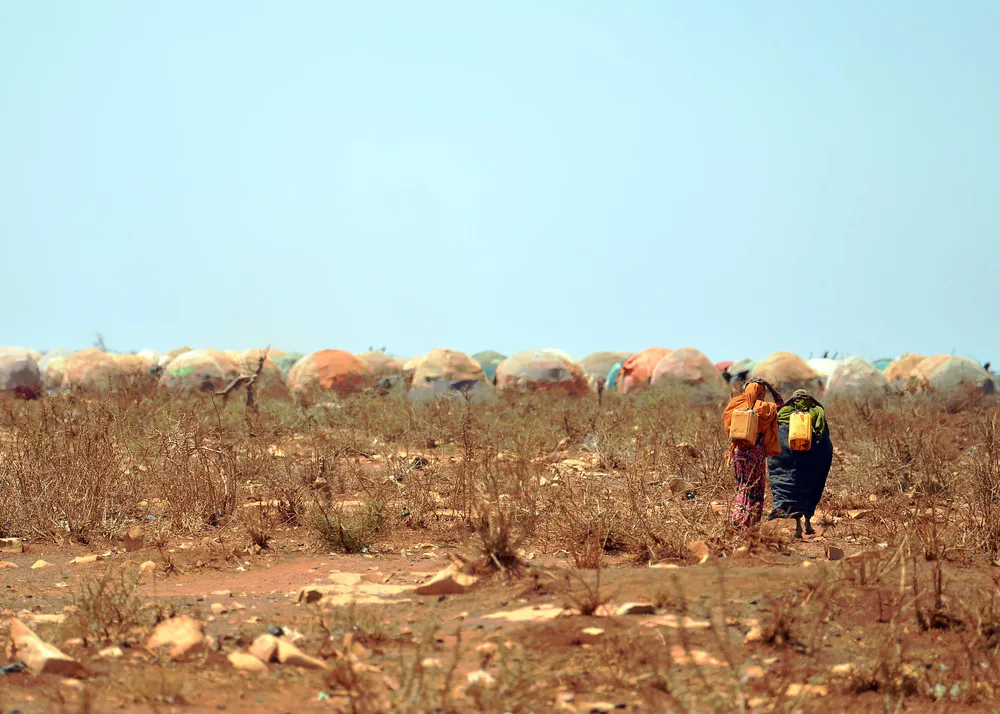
<point x="528" y="488"/>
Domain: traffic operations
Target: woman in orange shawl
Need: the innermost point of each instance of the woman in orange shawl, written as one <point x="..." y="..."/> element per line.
<point x="750" y="463"/>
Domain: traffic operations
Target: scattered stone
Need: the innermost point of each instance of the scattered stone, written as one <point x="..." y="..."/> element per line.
<point x="292" y="655"/>
<point x="843" y="670"/>
<point x="5" y="564"/>
<point x="487" y="648"/>
<point x="538" y="613"/>
<point x="40" y="564"/>
<point x="565" y="701"/>
<point x="834" y="553"/>
<point x="183" y="635"/>
<point x="92" y="558"/>
<point x="591" y="635"/>
<point x="432" y="663"/>
<point x="754" y="671"/>
<point x="218" y="608"/>
<point x="676" y="623"/>
<point x="855" y="515"/>
<point x="808" y="564"/>
<point x="11" y="545"/>
<point x="699" y="549"/>
<point x="754" y="635"/>
<point x="265" y="648"/>
<point x="39" y="619"/>
<point x="133" y="539"/>
<point x="863" y="557"/>
<point x="664" y="565"/>
<point x="481" y="678"/>
<point x="345" y="579"/>
<point x="448" y="582"/>
<point x="41" y="657"/>
<point x="700" y="658"/>
<point x="222" y="593"/>
<point x="246" y="662"/>
<point x="599" y="707"/>
<point x="636" y="608"/>
<point x="742" y="550"/>
<point x="111" y="652"/>
<point x="806" y="690"/>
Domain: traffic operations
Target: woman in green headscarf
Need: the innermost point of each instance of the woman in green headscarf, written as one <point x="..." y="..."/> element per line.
<point x="798" y="478"/>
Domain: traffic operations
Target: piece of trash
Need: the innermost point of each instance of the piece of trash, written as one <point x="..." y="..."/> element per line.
<point x="322" y="696"/>
<point x="13" y="668"/>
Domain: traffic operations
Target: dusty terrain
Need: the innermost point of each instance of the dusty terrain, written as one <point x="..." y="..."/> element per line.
<point x="593" y="568"/>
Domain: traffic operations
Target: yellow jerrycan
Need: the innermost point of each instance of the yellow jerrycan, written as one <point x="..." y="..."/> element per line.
<point x="800" y="432"/>
<point x="743" y="427"/>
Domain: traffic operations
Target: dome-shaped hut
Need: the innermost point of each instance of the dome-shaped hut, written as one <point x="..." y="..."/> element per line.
<point x="93" y="371"/>
<point x="286" y="361"/>
<point x="270" y="382"/>
<point x="20" y="374"/>
<point x="943" y="373"/>
<point x="637" y="371"/>
<point x="489" y="360"/>
<point x="692" y="375"/>
<point x="855" y="378"/>
<point x="787" y="372"/>
<point x="540" y="371"/>
<point x="329" y="371"/>
<point x="442" y="371"/>
<point x="598" y="364"/>
<point x="900" y="372"/>
<point x="198" y="371"/>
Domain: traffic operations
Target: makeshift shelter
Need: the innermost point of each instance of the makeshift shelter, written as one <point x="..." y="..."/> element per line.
<point x="787" y="372"/>
<point x="198" y="371"/>
<point x="489" y="360"/>
<point x="541" y="371"/>
<point x="20" y="374"/>
<point x="692" y="375"/>
<point x="381" y="364"/>
<point x="178" y="352"/>
<point x="156" y="359"/>
<point x="855" y="378"/>
<point x="598" y="364"/>
<point x="611" y="381"/>
<point x="724" y="365"/>
<point x="270" y="382"/>
<point x="53" y="369"/>
<point x="561" y="354"/>
<point x="900" y="372"/>
<point x="943" y="373"/>
<point x="334" y="371"/>
<point x="94" y="371"/>
<point x="136" y="370"/>
<point x="637" y="370"/>
<point x="286" y="361"/>
<point x="823" y="366"/>
<point x="443" y="371"/>
<point x="882" y="364"/>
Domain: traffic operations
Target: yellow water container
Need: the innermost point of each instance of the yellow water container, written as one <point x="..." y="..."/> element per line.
<point x="743" y="427"/>
<point x="800" y="432"/>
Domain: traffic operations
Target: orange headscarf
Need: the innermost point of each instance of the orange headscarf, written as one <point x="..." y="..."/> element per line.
<point x="767" y="416"/>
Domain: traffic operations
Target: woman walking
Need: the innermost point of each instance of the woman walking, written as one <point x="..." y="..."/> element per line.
<point x="750" y="462"/>
<point x="798" y="478"/>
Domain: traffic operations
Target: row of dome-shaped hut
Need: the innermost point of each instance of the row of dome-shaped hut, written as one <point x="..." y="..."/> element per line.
<point x="281" y="375"/>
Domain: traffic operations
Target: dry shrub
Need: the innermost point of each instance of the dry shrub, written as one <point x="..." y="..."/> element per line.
<point x="106" y="609"/>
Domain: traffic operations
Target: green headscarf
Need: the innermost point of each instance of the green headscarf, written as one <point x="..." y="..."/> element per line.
<point x="802" y="401"/>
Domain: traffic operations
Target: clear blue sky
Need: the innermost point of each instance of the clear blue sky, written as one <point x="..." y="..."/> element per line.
<point x="738" y="177"/>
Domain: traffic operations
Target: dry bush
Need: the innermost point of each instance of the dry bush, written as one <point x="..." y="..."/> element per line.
<point x="106" y="609"/>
